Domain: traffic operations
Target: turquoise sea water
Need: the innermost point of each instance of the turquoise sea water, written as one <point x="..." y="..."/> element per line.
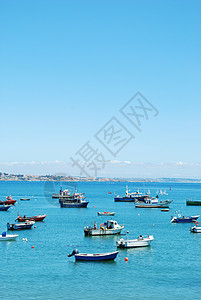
<point x="170" y="268"/>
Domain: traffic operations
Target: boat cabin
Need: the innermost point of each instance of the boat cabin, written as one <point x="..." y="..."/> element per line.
<point x="111" y="224"/>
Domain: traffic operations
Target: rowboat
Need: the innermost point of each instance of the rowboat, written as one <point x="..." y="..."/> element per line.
<point x="8" y="237"/>
<point x="139" y="242"/>
<point x="93" y="256"/>
<point x="25" y="199"/>
<point x="183" y="219"/>
<point x="165" y="209"/>
<point x="195" y="229"/>
<point x="110" y="227"/>
<point x="34" y="218"/>
<point x="4" y="207"/>
<point x="19" y="226"/>
<point x="106" y="213"/>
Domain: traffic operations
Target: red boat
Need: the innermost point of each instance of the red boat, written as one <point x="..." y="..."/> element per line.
<point x="34" y="218"/>
<point x="9" y="201"/>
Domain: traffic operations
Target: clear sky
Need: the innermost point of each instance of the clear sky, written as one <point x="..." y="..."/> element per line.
<point x="67" y="67"/>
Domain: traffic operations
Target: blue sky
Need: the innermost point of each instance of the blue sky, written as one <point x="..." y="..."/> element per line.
<point x="67" y="67"/>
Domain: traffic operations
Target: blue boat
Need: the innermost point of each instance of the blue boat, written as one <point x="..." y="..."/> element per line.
<point x="72" y="204"/>
<point x="4" y="207"/>
<point x="130" y="197"/>
<point x="93" y="256"/>
<point x="19" y="226"/>
<point x="182" y="219"/>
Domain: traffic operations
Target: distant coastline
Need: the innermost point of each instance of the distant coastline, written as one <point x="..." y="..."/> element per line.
<point x="20" y="177"/>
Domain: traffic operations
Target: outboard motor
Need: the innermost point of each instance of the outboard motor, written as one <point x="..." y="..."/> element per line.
<point x="73" y="253"/>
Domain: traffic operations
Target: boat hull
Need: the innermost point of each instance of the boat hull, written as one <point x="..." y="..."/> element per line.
<point x="136" y="243"/>
<point x="34" y="218"/>
<point x="74" y="204"/>
<point x="21" y="226"/>
<point x="195" y="229"/>
<point x="106" y="213"/>
<point x="100" y="232"/>
<point x="124" y="199"/>
<point x="130" y="199"/>
<point x="5" y="208"/>
<point x="96" y="257"/>
<point x="8" y="202"/>
<point x="8" y="237"/>
<point x="185" y="220"/>
<point x="152" y="205"/>
<point x="193" y="203"/>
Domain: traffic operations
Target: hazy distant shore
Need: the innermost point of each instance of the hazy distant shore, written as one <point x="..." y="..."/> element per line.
<point x="19" y="177"/>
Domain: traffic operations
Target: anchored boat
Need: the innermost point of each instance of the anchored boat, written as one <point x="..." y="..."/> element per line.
<point x="8" y="237"/>
<point x="130" y="197"/>
<point x="5" y="207"/>
<point x="106" y="213"/>
<point x="9" y="201"/>
<point x="110" y="227"/>
<point x="19" y="226"/>
<point x="77" y="202"/>
<point x="152" y="203"/>
<point x="94" y="256"/>
<point x="139" y="242"/>
<point x="195" y="229"/>
<point x="34" y="218"/>
<point x="182" y="219"/>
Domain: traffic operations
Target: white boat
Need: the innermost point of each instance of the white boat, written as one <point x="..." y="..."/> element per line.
<point x="161" y="192"/>
<point x="139" y="242"/>
<point x="195" y="229"/>
<point x="62" y="194"/>
<point x="110" y="227"/>
<point x="153" y="203"/>
<point x="165" y="193"/>
<point x="106" y="213"/>
<point x="8" y="237"/>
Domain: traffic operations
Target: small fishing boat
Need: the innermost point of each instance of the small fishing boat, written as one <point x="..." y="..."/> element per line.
<point x="141" y="241"/>
<point x="110" y="227"/>
<point x="19" y="226"/>
<point x="152" y="203"/>
<point x="8" y="237"/>
<point x="193" y="202"/>
<point x="106" y="213"/>
<point x="195" y="229"/>
<point x="93" y="256"/>
<point x="182" y="219"/>
<point x="4" y="207"/>
<point x="34" y="218"/>
<point x="165" y="209"/>
<point x="9" y="201"/>
<point x="25" y="199"/>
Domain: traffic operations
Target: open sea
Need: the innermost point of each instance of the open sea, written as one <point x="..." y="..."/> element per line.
<point x="169" y="269"/>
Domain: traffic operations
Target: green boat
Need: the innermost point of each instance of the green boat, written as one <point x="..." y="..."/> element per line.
<point x="193" y="202"/>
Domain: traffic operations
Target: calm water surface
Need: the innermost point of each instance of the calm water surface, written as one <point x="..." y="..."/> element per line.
<point x="170" y="268"/>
